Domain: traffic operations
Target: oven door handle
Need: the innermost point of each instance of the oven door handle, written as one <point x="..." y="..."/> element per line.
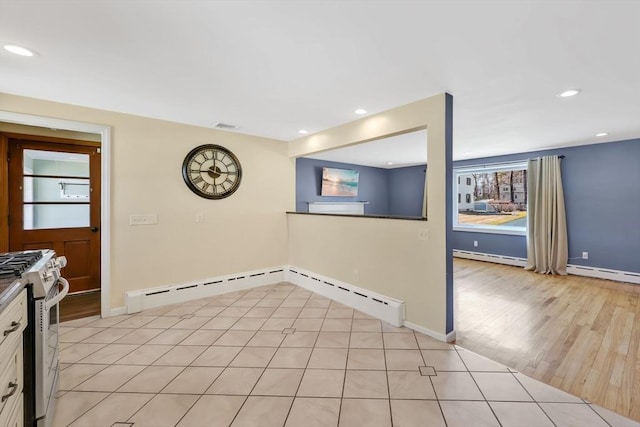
<point x="61" y="294"/>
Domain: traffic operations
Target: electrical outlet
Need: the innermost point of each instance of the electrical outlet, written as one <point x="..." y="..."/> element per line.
<point x="475" y="243"/>
<point x="585" y="255"/>
<point x="199" y="217"/>
<point x="149" y="219"/>
<point x="423" y="234"/>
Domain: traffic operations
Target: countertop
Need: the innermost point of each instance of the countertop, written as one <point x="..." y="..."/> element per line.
<point x="9" y="289"/>
<point x="410" y="218"/>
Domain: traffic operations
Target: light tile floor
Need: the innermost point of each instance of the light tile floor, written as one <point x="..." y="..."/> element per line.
<point x="280" y="355"/>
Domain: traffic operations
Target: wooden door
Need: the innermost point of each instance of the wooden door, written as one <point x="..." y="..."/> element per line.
<point x="54" y="203"/>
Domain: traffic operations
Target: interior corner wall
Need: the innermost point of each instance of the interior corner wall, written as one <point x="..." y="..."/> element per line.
<point x="602" y="199"/>
<point x="246" y="231"/>
<point x="406" y="190"/>
<point x="387" y="256"/>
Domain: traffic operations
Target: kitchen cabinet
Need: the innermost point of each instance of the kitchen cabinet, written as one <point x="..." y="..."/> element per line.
<point x="13" y="320"/>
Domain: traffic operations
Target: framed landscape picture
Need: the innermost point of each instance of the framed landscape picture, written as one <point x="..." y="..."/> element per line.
<point x="339" y="182"/>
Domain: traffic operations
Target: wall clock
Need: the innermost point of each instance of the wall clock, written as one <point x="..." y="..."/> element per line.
<point x="212" y="171"/>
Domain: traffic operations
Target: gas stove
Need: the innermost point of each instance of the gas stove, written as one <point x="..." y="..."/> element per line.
<point x="13" y="264"/>
<point x="39" y="272"/>
<point x="40" y="268"/>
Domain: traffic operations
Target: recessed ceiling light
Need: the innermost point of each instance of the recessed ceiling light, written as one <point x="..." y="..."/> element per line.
<point x="602" y="134"/>
<point x="569" y="92"/>
<point x="389" y="163"/>
<point x="360" y="111"/>
<point x="303" y="131"/>
<point x="19" y="50"/>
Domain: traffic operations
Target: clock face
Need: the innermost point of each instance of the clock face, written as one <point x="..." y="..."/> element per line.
<point x="211" y="171"/>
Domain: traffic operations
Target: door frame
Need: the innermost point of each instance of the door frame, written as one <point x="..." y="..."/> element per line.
<point x="105" y="197"/>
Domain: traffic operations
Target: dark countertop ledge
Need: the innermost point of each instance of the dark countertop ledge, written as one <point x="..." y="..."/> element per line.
<point x="404" y="218"/>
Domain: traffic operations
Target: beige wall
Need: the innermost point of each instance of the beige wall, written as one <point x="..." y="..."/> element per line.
<point x="243" y="232"/>
<point x="249" y="230"/>
<point x="387" y="253"/>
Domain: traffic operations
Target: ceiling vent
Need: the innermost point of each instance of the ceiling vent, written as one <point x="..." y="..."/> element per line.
<point x="225" y="126"/>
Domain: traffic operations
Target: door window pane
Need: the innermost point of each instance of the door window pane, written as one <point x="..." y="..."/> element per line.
<point x="39" y="162"/>
<point x="61" y="190"/>
<point x="55" y="216"/>
<point x="53" y="181"/>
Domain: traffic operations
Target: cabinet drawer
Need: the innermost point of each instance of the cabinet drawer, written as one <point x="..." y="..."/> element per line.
<point x="15" y="415"/>
<point x="11" y="382"/>
<point x="13" y="320"/>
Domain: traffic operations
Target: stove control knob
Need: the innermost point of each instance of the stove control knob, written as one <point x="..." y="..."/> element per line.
<point x="47" y="276"/>
<point x="61" y="262"/>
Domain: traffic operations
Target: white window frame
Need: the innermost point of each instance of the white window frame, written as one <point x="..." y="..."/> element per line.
<point x="485" y="168"/>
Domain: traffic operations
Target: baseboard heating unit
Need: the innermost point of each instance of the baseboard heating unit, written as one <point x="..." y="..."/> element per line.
<point x="143" y="299"/>
<point x="577" y="270"/>
<point x="382" y="307"/>
<point x="376" y="305"/>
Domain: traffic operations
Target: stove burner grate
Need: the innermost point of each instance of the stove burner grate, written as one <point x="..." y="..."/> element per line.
<point x="13" y="264"/>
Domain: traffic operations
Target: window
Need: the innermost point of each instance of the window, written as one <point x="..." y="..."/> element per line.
<point x="496" y="201"/>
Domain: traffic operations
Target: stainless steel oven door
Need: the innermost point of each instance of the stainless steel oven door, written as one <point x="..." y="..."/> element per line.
<point x="46" y="346"/>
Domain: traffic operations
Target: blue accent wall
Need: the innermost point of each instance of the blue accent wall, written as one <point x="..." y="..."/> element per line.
<point x="602" y="198"/>
<point x="397" y="192"/>
<point x="406" y="190"/>
<point x="373" y="186"/>
<point x="448" y="159"/>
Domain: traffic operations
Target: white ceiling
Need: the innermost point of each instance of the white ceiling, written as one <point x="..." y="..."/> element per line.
<point x="275" y="67"/>
<point x="408" y="149"/>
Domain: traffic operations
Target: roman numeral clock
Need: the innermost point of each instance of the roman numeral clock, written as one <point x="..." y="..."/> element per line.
<point x="212" y="171"/>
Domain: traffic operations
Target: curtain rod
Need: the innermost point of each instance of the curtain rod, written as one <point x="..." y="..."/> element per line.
<point x="560" y="157"/>
<point x="489" y="165"/>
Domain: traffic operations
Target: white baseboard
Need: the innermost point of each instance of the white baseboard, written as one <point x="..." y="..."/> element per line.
<point x="451" y="336"/>
<point x="380" y="306"/>
<point x="118" y="311"/>
<point x="578" y="270"/>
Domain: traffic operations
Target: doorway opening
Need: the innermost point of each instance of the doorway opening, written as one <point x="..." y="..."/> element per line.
<point x="11" y="122"/>
<point x="54" y="203"/>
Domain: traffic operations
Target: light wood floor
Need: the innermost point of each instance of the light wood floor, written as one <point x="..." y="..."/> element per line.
<point x="578" y="334"/>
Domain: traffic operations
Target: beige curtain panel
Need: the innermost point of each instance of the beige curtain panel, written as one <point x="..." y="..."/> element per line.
<point x="547" y="247"/>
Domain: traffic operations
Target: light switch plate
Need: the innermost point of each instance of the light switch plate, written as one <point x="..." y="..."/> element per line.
<point x="148" y="219"/>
